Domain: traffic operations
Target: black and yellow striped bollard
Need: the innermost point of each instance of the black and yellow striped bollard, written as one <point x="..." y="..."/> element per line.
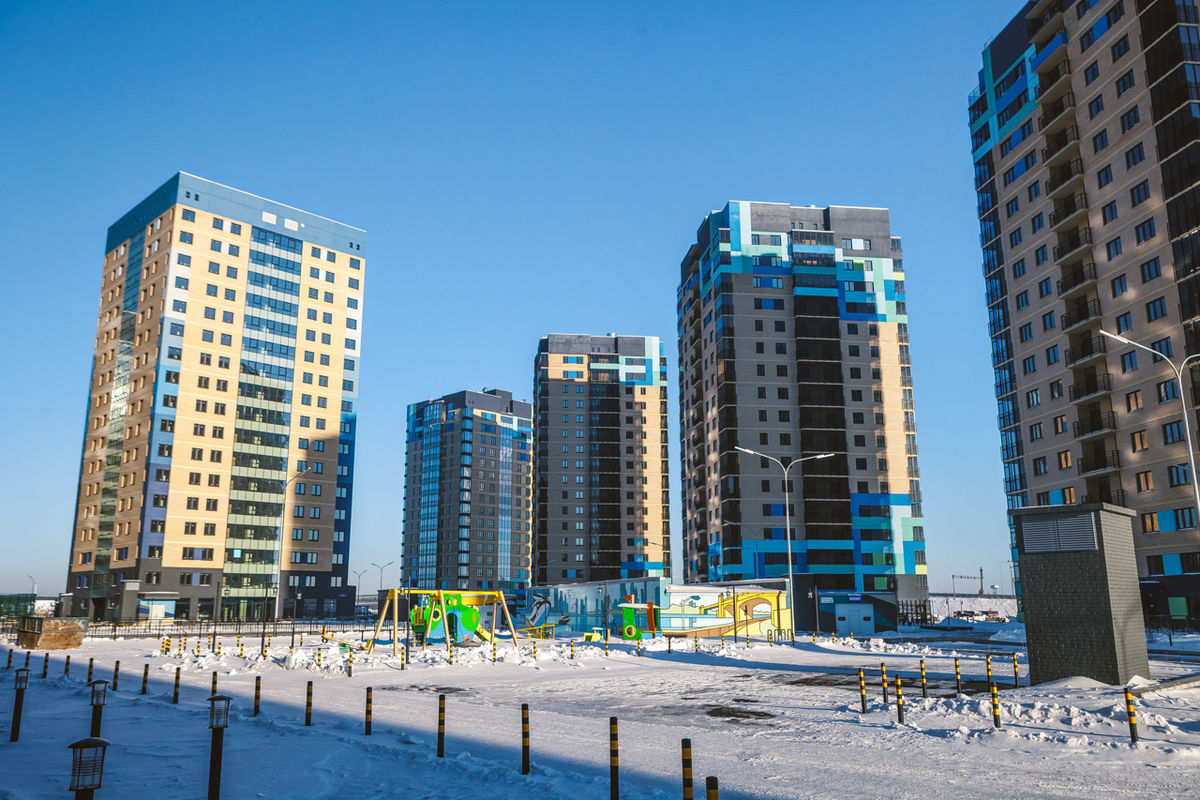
<point x="241" y="650"/>
<point x="534" y="649"/>
<point x="524" y="738"/>
<point x="91" y="665"/>
<point x="989" y="670"/>
<point x="572" y="650"/>
<point x="218" y="649"/>
<point x="441" y="736"/>
<point x="614" y="768"/>
<point x="1016" y="673"/>
<point x="883" y="681"/>
<point x="995" y="707"/>
<point x="214" y="683"/>
<point x="175" y="696"/>
<point x="308" y="706"/>
<point x="318" y="658"/>
<point x="67" y="667"/>
<point x="451" y="647"/>
<point x="9" y="664"/>
<point x="46" y="665"/>
<point x="669" y="650"/>
<point x="367" y="724"/>
<point x="957" y="678"/>
<point x="722" y="642"/>
<point x="899" y="701"/>
<point x="257" y="693"/>
<point x="687" y="769"/>
<point x="145" y="678"/>
<point x="696" y="642"/>
<point x="116" y="674"/>
<point x="862" y="690"/>
<point x="638" y="644"/>
<point x="350" y="665"/>
<point x="711" y="791"/>
<point x="606" y="645"/>
<point x="27" y="654"/>
<point x="924" y="686"/>
<point x="1133" y="733"/>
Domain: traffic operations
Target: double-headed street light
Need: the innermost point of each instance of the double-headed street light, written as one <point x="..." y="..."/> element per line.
<point x="1187" y="425"/>
<point x="381" y="568"/>
<point x="787" y="516"/>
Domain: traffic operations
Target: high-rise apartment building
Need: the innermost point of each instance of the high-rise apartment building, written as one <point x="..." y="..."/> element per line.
<point x="468" y="493"/>
<point x="793" y="341"/>
<point x="218" y="455"/>
<point x="1085" y="130"/>
<point x="601" y="474"/>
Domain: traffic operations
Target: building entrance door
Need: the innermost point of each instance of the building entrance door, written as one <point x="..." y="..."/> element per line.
<point x="856" y="618"/>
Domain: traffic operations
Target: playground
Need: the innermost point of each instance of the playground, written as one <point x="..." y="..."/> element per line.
<point x="769" y="719"/>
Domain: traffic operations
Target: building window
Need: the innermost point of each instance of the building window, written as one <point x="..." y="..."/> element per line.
<point x="1150" y="525"/>
<point x="1124" y="322"/>
<point x="1144" y="231"/>
<point x="1128" y="361"/>
<point x="1134" y="155"/>
<point x="1129" y="119"/>
<point x="1172" y="432"/>
<point x="1113" y="248"/>
<point x="1145" y="481"/>
<point x="1109" y="212"/>
<point x="1151" y="270"/>
<point x="1104" y="176"/>
<point x="1095" y="106"/>
<point x="1178" y="475"/>
<point x="1125" y="83"/>
<point x="1156" y="309"/>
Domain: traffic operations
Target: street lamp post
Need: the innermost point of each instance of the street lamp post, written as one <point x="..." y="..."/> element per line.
<point x="1187" y="424"/>
<point x="358" y="573"/>
<point x="20" y="684"/>
<point x="787" y="515"/>
<point x="381" y="569"/>
<point x="218" y="721"/>
<point x="279" y="549"/>
<point x="87" y="767"/>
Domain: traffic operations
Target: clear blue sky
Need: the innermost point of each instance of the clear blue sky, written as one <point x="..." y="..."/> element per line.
<point x="521" y="169"/>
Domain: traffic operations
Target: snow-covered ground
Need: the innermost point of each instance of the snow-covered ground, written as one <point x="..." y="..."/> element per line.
<point x="769" y="722"/>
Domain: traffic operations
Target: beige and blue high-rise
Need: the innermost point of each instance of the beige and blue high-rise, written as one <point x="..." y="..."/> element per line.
<point x="217" y="464"/>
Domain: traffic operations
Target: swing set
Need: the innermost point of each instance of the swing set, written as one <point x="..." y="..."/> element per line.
<point x="443" y="616"/>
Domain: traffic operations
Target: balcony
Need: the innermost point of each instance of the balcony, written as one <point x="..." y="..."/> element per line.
<point x="1054" y="112"/>
<point x="1038" y="28"/>
<point x="1080" y="237"/>
<point x="1090" y="387"/>
<point x="1050" y="83"/>
<point x="1077" y="278"/>
<point x="1081" y="313"/>
<point x="1114" y="496"/>
<point x="1100" y="462"/>
<point x="1059" y="145"/>
<point x="1068" y="209"/>
<point x="1094" y="424"/>
<point x="1086" y="350"/>
<point x="1064" y="177"/>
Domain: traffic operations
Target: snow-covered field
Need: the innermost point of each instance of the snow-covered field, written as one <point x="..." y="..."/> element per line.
<point x="769" y="722"/>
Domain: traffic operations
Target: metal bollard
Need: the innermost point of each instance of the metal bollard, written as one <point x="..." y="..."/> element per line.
<point x="696" y="642"/>
<point x="367" y="730"/>
<point x="669" y="650"/>
<point x="257" y="693"/>
<point x="9" y="664"/>
<point x="241" y="650"/>
<point x="535" y="649"/>
<point x="175" y="696"/>
<point x="639" y="646"/>
<point x="308" y="706"/>
<point x="614" y="769"/>
<point x="441" y="740"/>
<point x="722" y="642"/>
<point x="989" y="670"/>
<point x="524" y="738"/>
<point x="27" y="654"/>
<point x="67" y="667"/>
<point x="214" y="683"/>
<point x="710" y="789"/>
<point x="899" y="701"/>
<point x="116" y="674"/>
<point x="995" y="707"/>
<point x="451" y="647"/>
<point x="924" y="687"/>
<point x="145" y="678"/>
<point x="687" y="770"/>
<point x="404" y="655"/>
<point x="606" y="646"/>
<point x="493" y="652"/>
<point x="1016" y="673"/>
<point x="957" y="677"/>
<point x="1133" y="733"/>
<point x="862" y="690"/>
<point x="572" y="650"/>
<point x="883" y="681"/>
<point x="350" y="666"/>
<point x="46" y="665"/>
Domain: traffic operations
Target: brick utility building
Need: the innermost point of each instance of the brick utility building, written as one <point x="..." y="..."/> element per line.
<point x="602" y="510"/>
<point x="218" y="454"/>
<point x="793" y="340"/>
<point x="1085" y="135"/>
<point x="468" y="496"/>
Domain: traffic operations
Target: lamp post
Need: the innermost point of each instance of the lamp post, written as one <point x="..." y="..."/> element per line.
<point x="99" y="696"/>
<point x="20" y="684"/>
<point x="787" y="515"/>
<point x="1187" y="424"/>
<point x="87" y="766"/>
<point x="218" y="721"/>
<point x="381" y="569"/>
<point x="279" y="549"/>
<point x="358" y="573"/>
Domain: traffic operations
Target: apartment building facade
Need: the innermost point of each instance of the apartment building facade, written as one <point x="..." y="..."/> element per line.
<point x="218" y="459"/>
<point x="1085" y="130"/>
<point x="602" y="510"/>
<point x="468" y="493"/>
<point x="793" y="342"/>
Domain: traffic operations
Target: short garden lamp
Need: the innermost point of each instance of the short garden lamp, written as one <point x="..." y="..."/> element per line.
<point x="218" y="721"/>
<point x="99" y="697"/>
<point x="20" y="684"/>
<point x="218" y="711"/>
<point x="87" y="766"/>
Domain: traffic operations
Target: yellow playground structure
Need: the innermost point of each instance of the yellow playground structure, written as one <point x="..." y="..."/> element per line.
<point x="443" y="616"/>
